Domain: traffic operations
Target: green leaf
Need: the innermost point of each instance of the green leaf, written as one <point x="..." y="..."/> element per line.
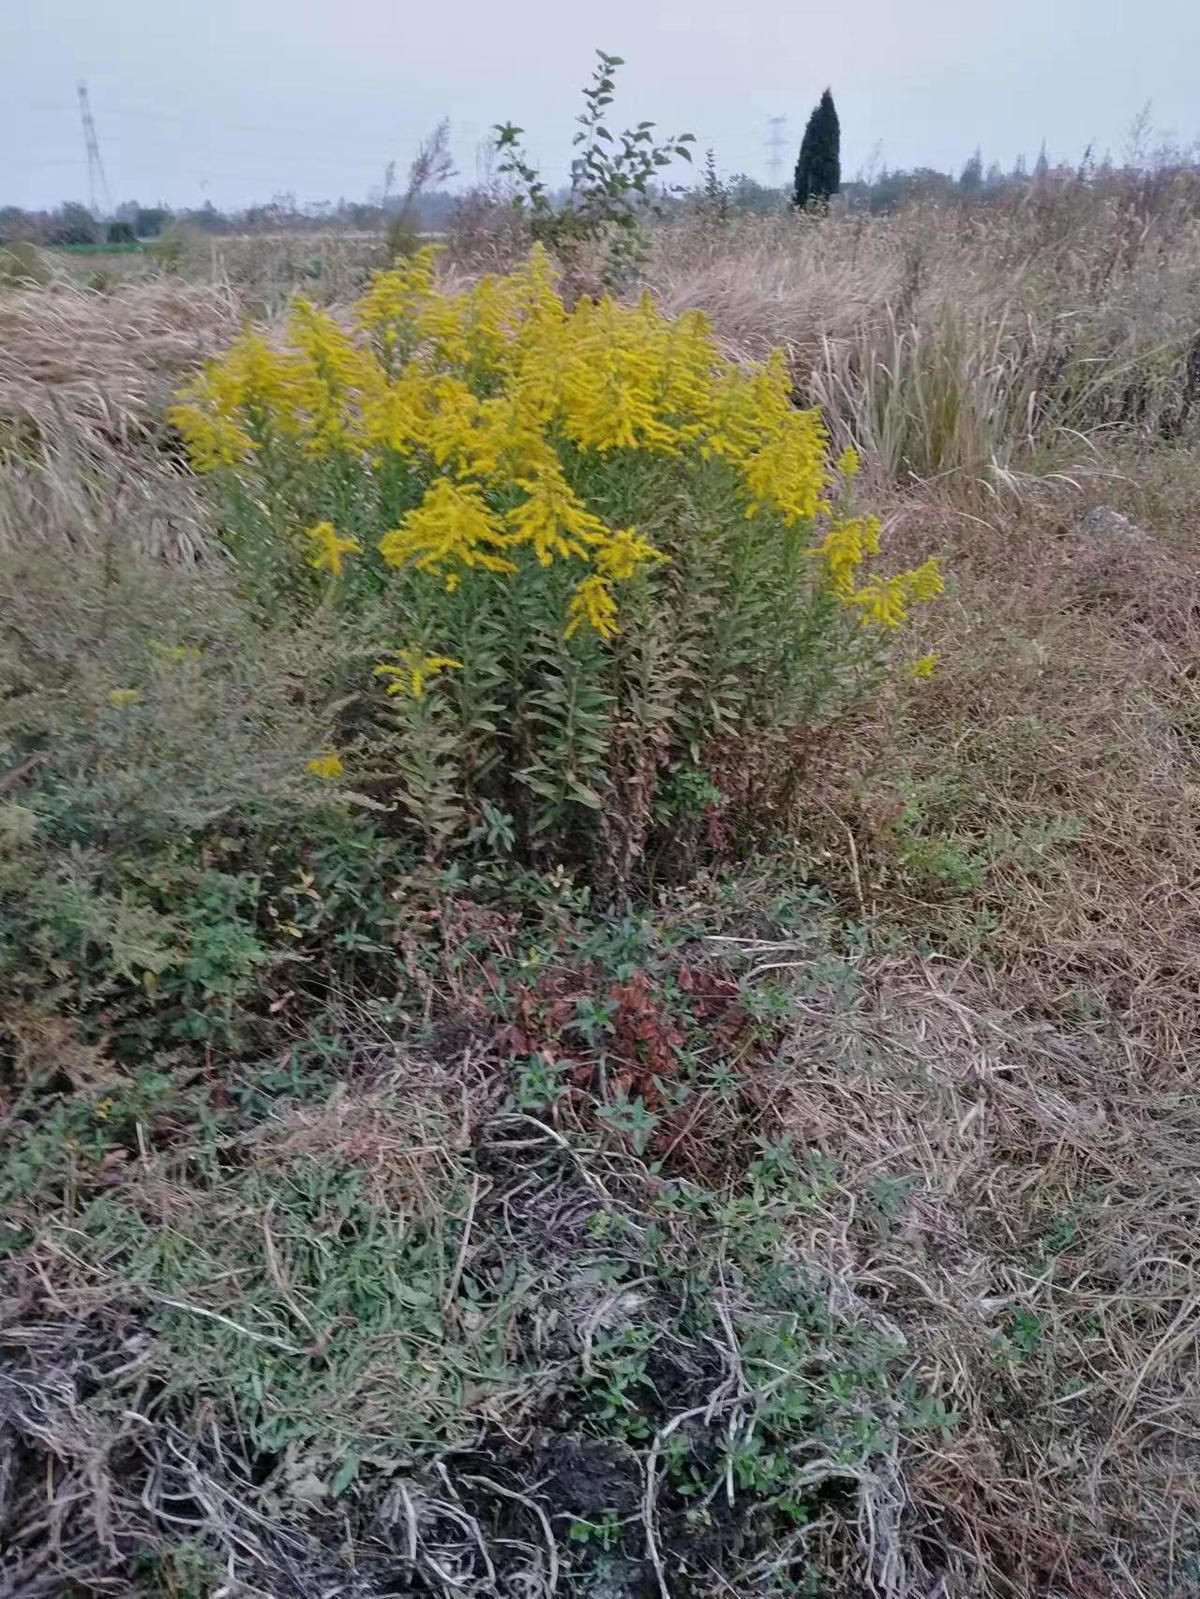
<point x="585" y="795"/>
<point x="344" y="1475"/>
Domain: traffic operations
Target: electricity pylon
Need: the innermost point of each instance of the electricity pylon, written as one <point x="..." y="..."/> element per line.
<point x="98" y="194"/>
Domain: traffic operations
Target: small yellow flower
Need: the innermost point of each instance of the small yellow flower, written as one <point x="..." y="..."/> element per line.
<point x="175" y="653"/>
<point x="844" y="549"/>
<point x="411" y="670"/>
<point x="328" y="548"/>
<point x="925" y="665"/>
<point x="124" y="696"/>
<point x="881" y="602"/>
<point x="329" y="765"/>
<point x="847" y="462"/>
<point x="592" y="605"/>
<point x="103" y="1108"/>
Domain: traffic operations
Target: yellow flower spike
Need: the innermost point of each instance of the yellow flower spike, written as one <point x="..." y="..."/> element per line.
<point x="410" y="670"/>
<point x="328" y="548"/>
<point x="880" y="602"/>
<point x="453" y="524"/>
<point x="553" y="520"/>
<point x="394" y="412"/>
<point x="847" y="462"/>
<point x="924" y="665"/>
<point x="844" y="549"/>
<point x="788" y="473"/>
<point x="451" y="420"/>
<point x="592" y="605"/>
<point x="924" y="582"/>
<point x="624" y="553"/>
<point x="605" y="376"/>
<point x="332" y="377"/>
<point x="239" y="402"/>
<point x="389" y="308"/>
<point x="124" y="696"/>
<point x="327" y="766"/>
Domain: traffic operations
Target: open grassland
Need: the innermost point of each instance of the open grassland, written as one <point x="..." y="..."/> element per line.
<point x="814" y="1212"/>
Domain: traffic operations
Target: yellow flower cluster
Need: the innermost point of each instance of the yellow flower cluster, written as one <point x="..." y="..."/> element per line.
<point x="327" y="766"/>
<point x="327" y="548"/>
<point x="410" y="669"/>
<point x="885" y="601"/>
<point x="924" y="665"/>
<point x="492" y="401"/>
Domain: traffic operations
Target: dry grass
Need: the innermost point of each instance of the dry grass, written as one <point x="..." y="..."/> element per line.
<point x="1022" y="1206"/>
<point x="1034" y="1081"/>
<point x="85" y="378"/>
<point x="69" y="487"/>
<point x="1056" y="748"/>
<point x="1034" y="1084"/>
<point x="975" y="345"/>
<point x="110" y="359"/>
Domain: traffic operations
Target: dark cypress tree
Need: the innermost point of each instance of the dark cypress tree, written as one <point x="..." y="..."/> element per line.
<point x="819" y="169"/>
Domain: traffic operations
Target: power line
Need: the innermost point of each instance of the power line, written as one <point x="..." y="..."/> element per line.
<point x="97" y="182"/>
<point x="775" y="144"/>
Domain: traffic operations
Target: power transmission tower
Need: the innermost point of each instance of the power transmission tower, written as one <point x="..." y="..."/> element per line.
<point x="775" y="144"/>
<point x="97" y="183"/>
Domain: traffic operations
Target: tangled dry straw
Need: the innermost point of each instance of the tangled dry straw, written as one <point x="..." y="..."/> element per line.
<point x="85" y="378"/>
<point x="1040" y="1266"/>
<point x="108" y="360"/>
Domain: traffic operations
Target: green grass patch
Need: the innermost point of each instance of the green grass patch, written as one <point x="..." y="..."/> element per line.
<point x="96" y="249"/>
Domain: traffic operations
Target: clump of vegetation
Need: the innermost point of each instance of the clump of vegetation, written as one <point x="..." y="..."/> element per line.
<point x="612" y="193"/>
<point x="23" y="266"/>
<point x="431" y="167"/>
<point x="617" y="582"/>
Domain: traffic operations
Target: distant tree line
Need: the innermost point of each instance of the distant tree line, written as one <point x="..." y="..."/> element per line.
<point x="425" y="206"/>
<point x="976" y="183"/>
<point x="72" y="223"/>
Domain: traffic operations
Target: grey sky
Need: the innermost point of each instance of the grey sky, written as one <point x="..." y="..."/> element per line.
<point x="235" y="100"/>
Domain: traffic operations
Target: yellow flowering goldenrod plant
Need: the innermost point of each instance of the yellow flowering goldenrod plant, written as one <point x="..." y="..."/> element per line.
<point x="590" y="549"/>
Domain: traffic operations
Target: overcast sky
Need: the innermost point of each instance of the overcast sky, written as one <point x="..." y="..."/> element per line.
<point x="236" y="100"/>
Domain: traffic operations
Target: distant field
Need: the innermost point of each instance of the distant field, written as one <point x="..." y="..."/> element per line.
<point x="97" y="249"/>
